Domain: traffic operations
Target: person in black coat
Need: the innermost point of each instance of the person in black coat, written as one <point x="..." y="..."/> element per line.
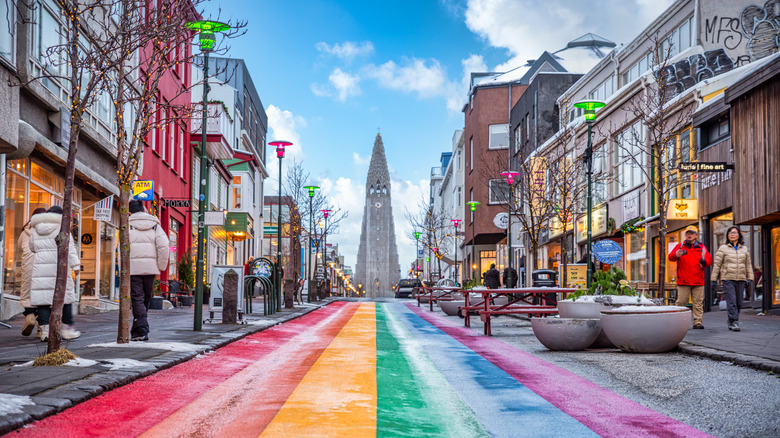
<point x="505" y="278"/>
<point x="492" y="277"/>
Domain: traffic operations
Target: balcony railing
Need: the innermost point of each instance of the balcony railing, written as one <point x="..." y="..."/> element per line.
<point x="219" y="130"/>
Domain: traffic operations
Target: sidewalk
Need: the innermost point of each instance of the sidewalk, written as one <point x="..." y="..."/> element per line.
<point x="757" y="345"/>
<point x="30" y="393"/>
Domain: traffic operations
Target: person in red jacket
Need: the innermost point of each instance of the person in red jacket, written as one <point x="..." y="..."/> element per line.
<point x="691" y="257"/>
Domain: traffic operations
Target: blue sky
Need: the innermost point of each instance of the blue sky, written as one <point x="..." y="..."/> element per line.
<point x="330" y="73"/>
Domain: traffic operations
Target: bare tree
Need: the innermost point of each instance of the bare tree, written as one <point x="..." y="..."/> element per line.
<point x="82" y="63"/>
<point x="658" y="115"/>
<point x="157" y="40"/>
<point x="438" y="233"/>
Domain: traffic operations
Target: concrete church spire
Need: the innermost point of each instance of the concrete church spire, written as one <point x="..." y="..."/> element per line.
<point x="377" y="267"/>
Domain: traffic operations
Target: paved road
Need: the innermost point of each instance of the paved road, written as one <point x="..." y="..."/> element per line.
<point x="380" y="369"/>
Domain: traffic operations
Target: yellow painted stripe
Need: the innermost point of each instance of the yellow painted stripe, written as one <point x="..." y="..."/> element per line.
<point x="338" y="396"/>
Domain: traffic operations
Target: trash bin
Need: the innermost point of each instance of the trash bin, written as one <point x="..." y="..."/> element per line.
<point x="156" y="303"/>
<point x="545" y="278"/>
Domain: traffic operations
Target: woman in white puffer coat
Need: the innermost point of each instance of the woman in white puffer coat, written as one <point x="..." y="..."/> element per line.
<point x="42" y="274"/>
<point x="30" y="312"/>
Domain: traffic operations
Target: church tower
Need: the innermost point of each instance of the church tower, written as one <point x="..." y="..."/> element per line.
<point x="377" y="267"/>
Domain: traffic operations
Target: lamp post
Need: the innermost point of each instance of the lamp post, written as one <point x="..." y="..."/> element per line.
<point x="206" y="38"/>
<point x="325" y="212"/>
<point x="590" y="107"/>
<point x="510" y="176"/>
<point x="280" y="145"/>
<point x="473" y="207"/>
<point x="456" y="223"/>
<point x="311" y="190"/>
<point x="416" y="253"/>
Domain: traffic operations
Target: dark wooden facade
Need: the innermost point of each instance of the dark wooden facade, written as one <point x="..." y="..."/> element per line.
<point x="755" y="134"/>
<point x="716" y="188"/>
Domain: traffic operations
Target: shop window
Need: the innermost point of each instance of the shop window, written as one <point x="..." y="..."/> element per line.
<point x="15" y="218"/>
<point x="486" y="258"/>
<point x="173" y="239"/>
<point x="636" y="255"/>
<point x="672" y="239"/>
<point x="775" y="253"/>
<point x="8" y="31"/>
<point x="236" y="195"/>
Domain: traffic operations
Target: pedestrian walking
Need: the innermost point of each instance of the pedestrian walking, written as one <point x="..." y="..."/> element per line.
<point x="691" y="257"/>
<point x="30" y="312"/>
<point x="42" y="271"/>
<point x="505" y="277"/>
<point x="149" y="255"/>
<point x="492" y="277"/>
<point x="733" y="266"/>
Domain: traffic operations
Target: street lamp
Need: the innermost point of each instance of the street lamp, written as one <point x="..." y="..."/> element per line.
<point x="206" y="38"/>
<point x="416" y="253"/>
<point x="280" y="145"/>
<point x="311" y="190"/>
<point x="456" y="223"/>
<point x="590" y="107"/>
<point x="510" y="176"/>
<point x="473" y="206"/>
<point x="325" y="212"/>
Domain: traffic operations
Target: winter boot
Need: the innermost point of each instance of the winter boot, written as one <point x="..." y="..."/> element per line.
<point x="68" y="332"/>
<point x="29" y="324"/>
<point x="44" y="333"/>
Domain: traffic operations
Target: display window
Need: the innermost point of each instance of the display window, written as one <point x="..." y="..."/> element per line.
<point x="636" y="255"/>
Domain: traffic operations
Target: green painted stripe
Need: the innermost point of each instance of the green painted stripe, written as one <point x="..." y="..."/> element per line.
<point x="413" y="397"/>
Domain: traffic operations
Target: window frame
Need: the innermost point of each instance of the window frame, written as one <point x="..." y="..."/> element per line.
<point x="493" y="195"/>
<point x="490" y="136"/>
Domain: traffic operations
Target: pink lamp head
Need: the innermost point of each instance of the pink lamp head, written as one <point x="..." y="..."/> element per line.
<point x="326" y="212"/>
<point x="510" y="176"/>
<point x="456" y="222"/>
<point x="280" y="145"/>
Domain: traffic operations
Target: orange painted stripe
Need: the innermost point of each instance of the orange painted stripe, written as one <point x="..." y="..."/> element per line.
<point x="244" y="404"/>
<point x="338" y="396"/>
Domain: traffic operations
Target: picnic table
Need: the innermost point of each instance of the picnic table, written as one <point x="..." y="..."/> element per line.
<point x="520" y="301"/>
<point x="435" y="293"/>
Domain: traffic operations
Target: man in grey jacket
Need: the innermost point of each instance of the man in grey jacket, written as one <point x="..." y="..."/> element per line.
<point x="149" y="254"/>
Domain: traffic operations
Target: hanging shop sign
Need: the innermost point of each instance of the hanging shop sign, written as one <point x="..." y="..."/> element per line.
<point x="179" y="203"/>
<point x="143" y="190"/>
<point x="556" y="226"/>
<point x="607" y="251"/>
<point x="683" y="209"/>
<point x="214" y="218"/>
<point x="705" y="167"/>
<point x="598" y="224"/>
<point x="501" y="220"/>
<point x="103" y="209"/>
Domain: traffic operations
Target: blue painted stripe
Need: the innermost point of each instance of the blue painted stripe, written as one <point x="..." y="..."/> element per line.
<point x="504" y="406"/>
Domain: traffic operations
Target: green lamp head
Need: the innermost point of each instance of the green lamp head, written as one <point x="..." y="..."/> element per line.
<point x="417" y="235"/>
<point x="590" y="107"/>
<point x="472" y="205"/>
<point x="311" y="190"/>
<point x="207" y="29"/>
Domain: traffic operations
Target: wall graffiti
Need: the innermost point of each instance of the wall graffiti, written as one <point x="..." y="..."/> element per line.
<point x="688" y="72"/>
<point x="761" y="27"/>
<point x="723" y="31"/>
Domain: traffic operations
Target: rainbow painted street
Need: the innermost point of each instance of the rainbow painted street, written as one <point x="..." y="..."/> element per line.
<point x="362" y="370"/>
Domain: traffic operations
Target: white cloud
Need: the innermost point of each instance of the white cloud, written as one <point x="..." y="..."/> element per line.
<point x="346" y="84"/>
<point x="414" y="77"/>
<point x="360" y="161"/>
<point x="528" y="27"/>
<point x="284" y="126"/>
<point x="346" y="50"/>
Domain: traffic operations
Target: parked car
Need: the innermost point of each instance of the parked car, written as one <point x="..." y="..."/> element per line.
<point x="406" y="287"/>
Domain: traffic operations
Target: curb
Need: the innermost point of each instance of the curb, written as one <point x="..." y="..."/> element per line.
<point x="745" y="360"/>
<point x="55" y="400"/>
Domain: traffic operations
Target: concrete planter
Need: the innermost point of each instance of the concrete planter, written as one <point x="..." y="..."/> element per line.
<point x="566" y="334"/>
<point x="451" y="307"/>
<point x="646" y="329"/>
<point x="588" y="307"/>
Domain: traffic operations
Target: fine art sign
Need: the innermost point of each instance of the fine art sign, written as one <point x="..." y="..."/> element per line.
<point x="705" y="167"/>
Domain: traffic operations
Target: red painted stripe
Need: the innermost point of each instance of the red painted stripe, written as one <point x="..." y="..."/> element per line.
<point x="134" y="408"/>
<point x="603" y="411"/>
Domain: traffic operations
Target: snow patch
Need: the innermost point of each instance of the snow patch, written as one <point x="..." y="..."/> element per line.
<point x="80" y="362"/>
<point x="121" y="363"/>
<point x="646" y="309"/>
<point x="613" y="299"/>
<point x="170" y="346"/>
<point x="13" y="404"/>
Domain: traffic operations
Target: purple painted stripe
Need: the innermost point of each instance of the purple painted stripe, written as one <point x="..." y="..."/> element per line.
<point x="603" y="411"/>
